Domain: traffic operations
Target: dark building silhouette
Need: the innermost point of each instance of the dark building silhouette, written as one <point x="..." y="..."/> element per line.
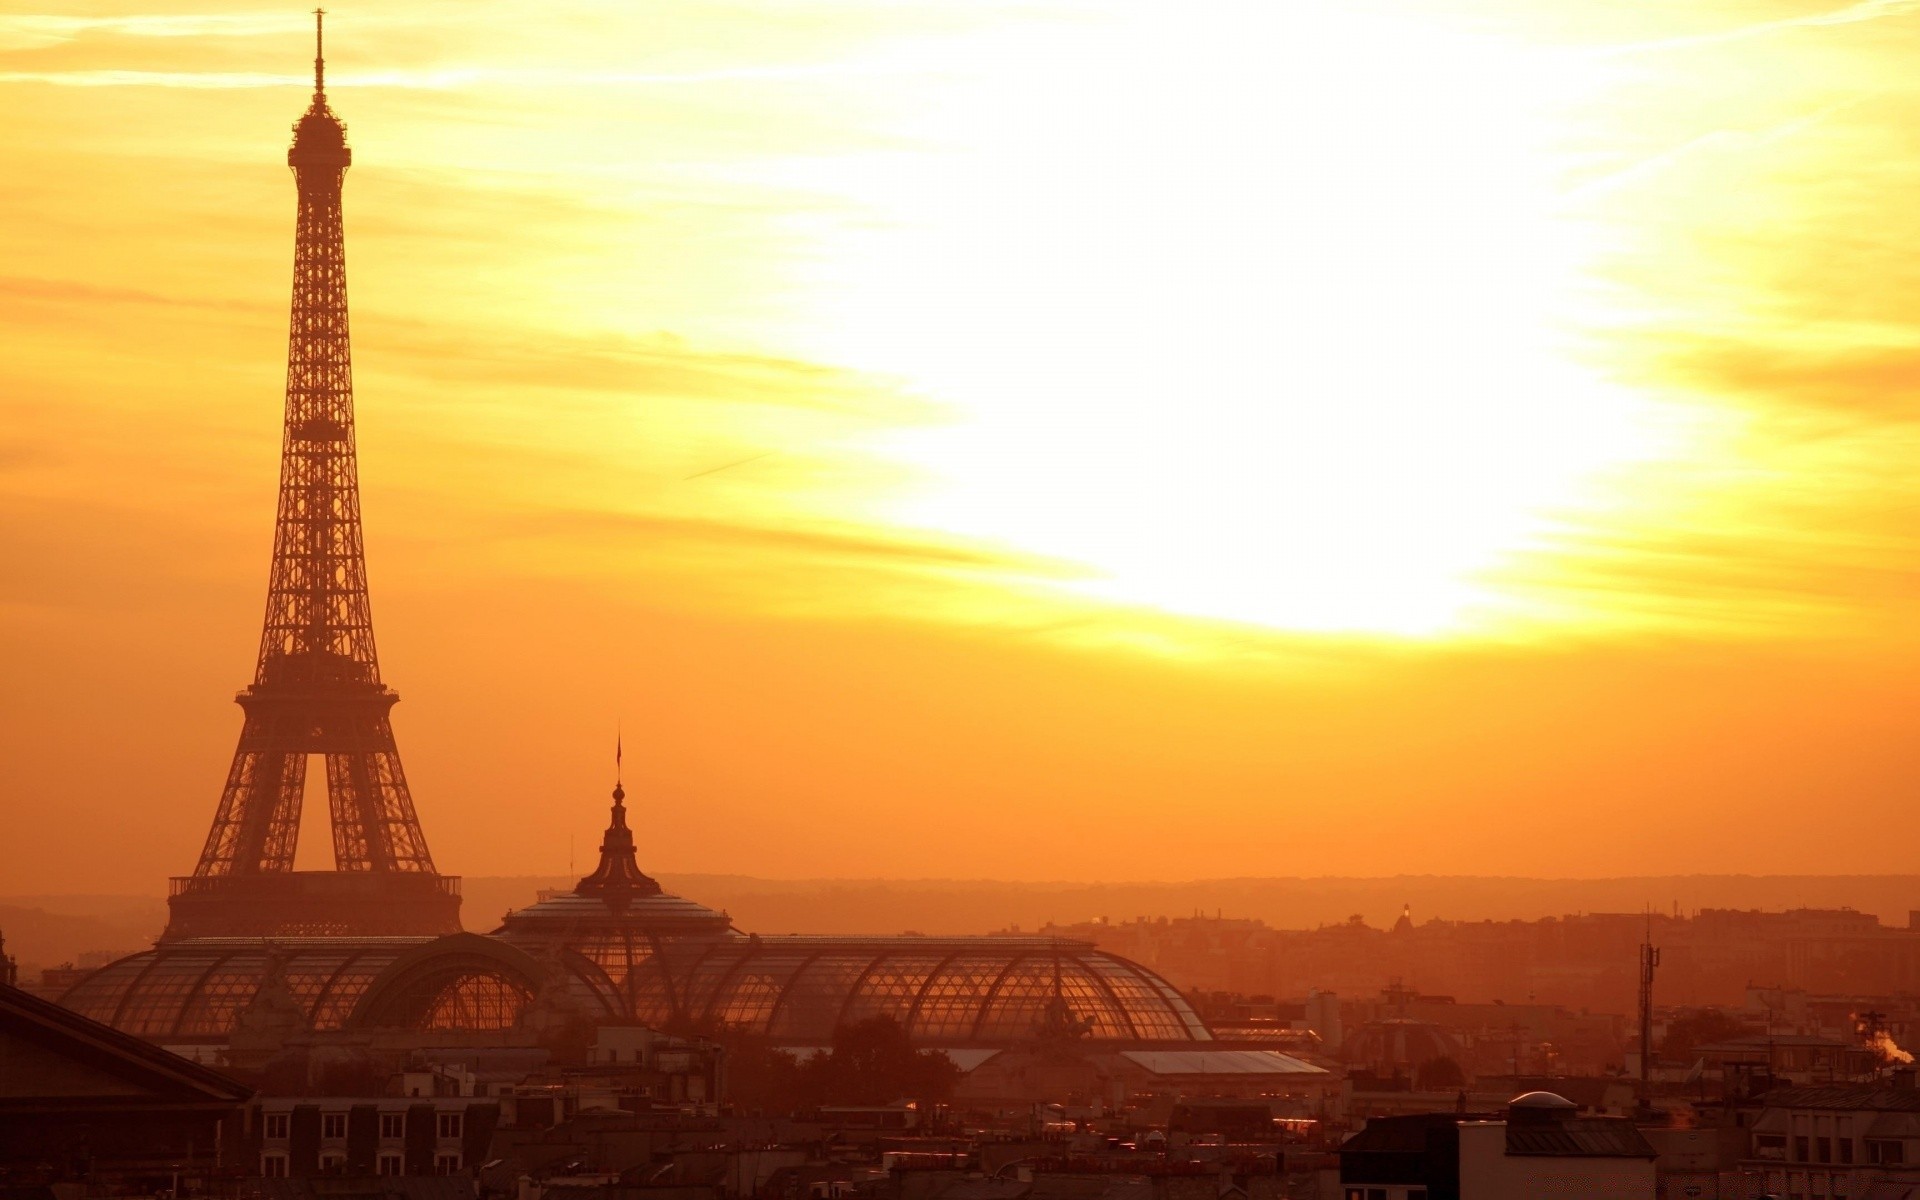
<point x="1539" y="1147"/>
<point x="79" y="1100"/>
<point x="316" y="689"/>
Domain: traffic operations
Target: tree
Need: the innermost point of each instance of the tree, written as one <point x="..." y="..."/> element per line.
<point x="874" y="1062"/>
<point x="1439" y="1074"/>
<point x="1697" y="1028"/>
<point x="760" y="1077"/>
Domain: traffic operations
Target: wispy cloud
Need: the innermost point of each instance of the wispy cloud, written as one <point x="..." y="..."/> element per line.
<point x="36" y="31"/>
<point x="641" y="365"/>
<point x="822" y="540"/>
<point x="1715" y="141"/>
<point x="1852" y="14"/>
<point x="70" y="291"/>
<point x="455" y="78"/>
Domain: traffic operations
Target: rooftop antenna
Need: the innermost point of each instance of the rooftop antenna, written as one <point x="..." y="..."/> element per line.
<point x="1649" y="959"/>
<point x="319" y="54"/>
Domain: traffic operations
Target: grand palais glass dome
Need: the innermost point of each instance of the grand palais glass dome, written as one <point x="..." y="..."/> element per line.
<point x="619" y="948"/>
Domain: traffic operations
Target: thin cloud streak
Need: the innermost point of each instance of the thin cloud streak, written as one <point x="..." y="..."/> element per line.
<point x="38" y="31"/>
<point x="453" y="79"/>
<point x="1718" y="139"/>
<point x="1853" y="14"/>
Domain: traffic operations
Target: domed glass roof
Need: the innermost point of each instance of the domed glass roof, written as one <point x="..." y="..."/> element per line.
<point x="628" y="949"/>
<point x="1548" y="1100"/>
<point x="196" y="989"/>
<point x="666" y="961"/>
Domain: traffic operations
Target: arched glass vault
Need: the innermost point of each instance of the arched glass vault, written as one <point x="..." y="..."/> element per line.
<point x="791" y="990"/>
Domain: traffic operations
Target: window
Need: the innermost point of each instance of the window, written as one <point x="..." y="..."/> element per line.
<point x="446" y="1164"/>
<point x="393" y="1126"/>
<point x="333" y="1163"/>
<point x="1846" y="1149"/>
<point x="1823" y="1150"/>
<point x="1770" y="1145"/>
<point x="449" y="1125"/>
<point x="1886" y="1152"/>
<point x="1800" y="1147"/>
<point x="390" y="1164"/>
<point x="276" y="1126"/>
<point x="273" y="1166"/>
<point x="333" y="1126"/>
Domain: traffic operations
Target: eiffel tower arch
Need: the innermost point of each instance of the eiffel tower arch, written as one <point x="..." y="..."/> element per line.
<point x="316" y="689"/>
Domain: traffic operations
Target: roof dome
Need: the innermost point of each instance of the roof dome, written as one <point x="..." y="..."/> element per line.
<point x="1401" y="1043"/>
<point x="1543" y="1100"/>
<point x="206" y="989"/>
<point x="617" y="895"/>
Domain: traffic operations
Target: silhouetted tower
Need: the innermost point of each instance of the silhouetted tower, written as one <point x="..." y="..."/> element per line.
<point x="317" y="689"/>
<point x="1649" y="959"/>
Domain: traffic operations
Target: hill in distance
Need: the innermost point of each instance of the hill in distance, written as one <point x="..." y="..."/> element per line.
<point x="47" y="930"/>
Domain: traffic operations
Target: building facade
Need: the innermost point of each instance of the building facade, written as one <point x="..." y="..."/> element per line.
<point x="1839" y="1141"/>
<point x="1540" y="1147"/>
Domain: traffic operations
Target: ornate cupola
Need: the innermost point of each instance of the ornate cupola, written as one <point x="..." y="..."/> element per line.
<point x="617" y="903"/>
<point x="618" y="879"/>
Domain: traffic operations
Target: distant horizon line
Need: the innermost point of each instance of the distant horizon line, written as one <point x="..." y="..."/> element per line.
<point x="1726" y="876"/>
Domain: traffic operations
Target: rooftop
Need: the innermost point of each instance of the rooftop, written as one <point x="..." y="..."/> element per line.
<point x="1579" y="1137"/>
<point x="1878" y="1097"/>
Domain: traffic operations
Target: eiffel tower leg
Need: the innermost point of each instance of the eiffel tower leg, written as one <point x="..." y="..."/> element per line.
<point x="258" y="824"/>
<point x="405" y="842"/>
<point x="374" y="826"/>
<point x="353" y="841"/>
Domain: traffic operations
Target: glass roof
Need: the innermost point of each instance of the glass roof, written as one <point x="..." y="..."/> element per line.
<point x="196" y="989"/>
<point x="944" y="992"/>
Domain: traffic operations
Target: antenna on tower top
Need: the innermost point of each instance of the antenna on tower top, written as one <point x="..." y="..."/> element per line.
<point x="319" y="54"/>
<point x="619" y="788"/>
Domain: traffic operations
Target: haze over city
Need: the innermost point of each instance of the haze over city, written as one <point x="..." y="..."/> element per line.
<point x="994" y="601"/>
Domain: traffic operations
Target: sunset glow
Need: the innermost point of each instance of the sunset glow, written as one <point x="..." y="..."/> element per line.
<point x="1416" y="350"/>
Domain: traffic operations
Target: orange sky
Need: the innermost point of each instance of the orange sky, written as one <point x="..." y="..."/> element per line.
<point x="1063" y="439"/>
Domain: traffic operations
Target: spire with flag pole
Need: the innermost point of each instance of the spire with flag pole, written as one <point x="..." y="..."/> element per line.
<point x="618" y="877"/>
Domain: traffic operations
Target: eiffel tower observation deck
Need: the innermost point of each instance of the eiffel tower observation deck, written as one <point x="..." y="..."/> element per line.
<point x="316" y="689"/>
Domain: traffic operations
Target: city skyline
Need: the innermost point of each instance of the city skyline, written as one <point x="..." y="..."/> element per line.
<point x="933" y="482"/>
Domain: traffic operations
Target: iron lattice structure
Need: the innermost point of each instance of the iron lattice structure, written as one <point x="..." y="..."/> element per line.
<point x="316" y="689"/>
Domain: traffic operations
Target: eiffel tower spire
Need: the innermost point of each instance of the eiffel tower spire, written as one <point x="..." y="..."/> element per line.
<point x="316" y="687"/>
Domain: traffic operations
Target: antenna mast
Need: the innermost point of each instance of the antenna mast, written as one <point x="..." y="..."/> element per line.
<point x="319" y="54"/>
<point x="1649" y="959"/>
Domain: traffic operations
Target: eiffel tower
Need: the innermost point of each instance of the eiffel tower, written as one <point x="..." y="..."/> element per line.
<point x="317" y="688"/>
